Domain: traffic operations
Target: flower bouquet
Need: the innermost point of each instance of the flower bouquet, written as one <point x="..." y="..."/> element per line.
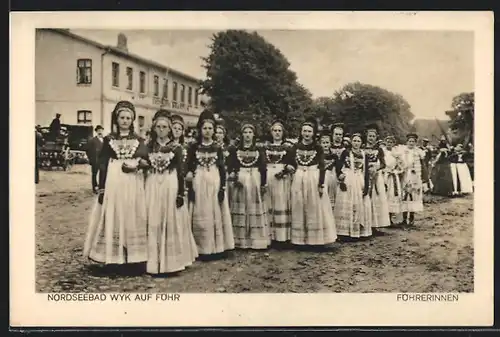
<point x="130" y="165"/>
<point x="412" y="183"/>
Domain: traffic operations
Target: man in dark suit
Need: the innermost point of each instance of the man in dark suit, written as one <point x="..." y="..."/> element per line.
<point x="55" y="127"/>
<point x="94" y="147"/>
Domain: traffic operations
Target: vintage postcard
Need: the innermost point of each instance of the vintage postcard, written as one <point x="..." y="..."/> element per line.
<point x="251" y="169"/>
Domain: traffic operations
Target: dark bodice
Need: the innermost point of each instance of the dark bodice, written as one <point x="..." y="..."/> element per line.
<point x="458" y="158"/>
<point x="332" y="156"/>
<point x="165" y="157"/>
<point x="248" y="157"/>
<point x="119" y="147"/>
<point x="375" y="154"/>
<point x="308" y="155"/>
<point x="207" y="157"/>
<point x="360" y="164"/>
<point x="276" y="154"/>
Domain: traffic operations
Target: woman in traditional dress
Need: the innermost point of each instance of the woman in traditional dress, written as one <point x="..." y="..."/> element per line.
<point x="178" y="128"/>
<point x="352" y="212"/>
<point x="426" y="168"/>
<point x="412" y="201"/>
<point x="336" y="150"/>
<point x="279" y="180"/>
<point x="247" y="166"/>
<point x="442" y="180"/>
<point x="325" y="141"/>
<point x="177" y="135"/>
<point x="206" y="178"/>
<point x="222" y="140"/>
<point x="378" y="193"/>
<point x="117" y="231"/>
<point x="392" y="174"/>
<point x="171" y="246"/>
<point x="312" y="215"/>
<point x="462" y="182"/>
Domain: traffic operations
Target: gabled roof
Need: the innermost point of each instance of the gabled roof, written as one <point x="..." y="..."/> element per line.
<point x="122" y="53"/>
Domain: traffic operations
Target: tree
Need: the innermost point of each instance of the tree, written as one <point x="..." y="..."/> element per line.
<point x="358" y="104"/>
<point x="326" y="110"/>
<point x="249" y="80"/>
<point x="462" y="117"/>
<point x="431" y="128"/>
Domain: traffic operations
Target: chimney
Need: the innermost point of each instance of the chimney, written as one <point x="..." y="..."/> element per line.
<point x="122" y="42"/>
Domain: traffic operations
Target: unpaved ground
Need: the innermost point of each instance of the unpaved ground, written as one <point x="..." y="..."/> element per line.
<point x="436" y="256"/>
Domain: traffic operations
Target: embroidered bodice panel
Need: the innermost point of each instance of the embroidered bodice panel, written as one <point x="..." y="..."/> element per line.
<point x="307" y="155"/>
<point x="329" y="160"/>
<point x="206" y="155"/>
<point x="372" y="154"/>
<point x="184" y="153"/>
<point x="161" y="161"/>
<point x="248" y="157"/>
<point x="225" y="152"/>
<point x="333" y="156"/>
<point x="162" y="157"/>
<point x="123" y="148"/>
<point x="357" y="161"/>
<point x="275" y="154"/>
<point x="337" y="150"/>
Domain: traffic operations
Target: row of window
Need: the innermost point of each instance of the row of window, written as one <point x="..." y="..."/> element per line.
<point x="84" y="76"/>
<point x="85" y="117"/>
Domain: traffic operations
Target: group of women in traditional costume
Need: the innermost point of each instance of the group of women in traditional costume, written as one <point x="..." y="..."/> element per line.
<point x="166" y="203"/>
<point x="451" y="175"/>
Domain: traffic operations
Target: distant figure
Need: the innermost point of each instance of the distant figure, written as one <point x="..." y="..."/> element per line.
<point x="462" y="182"/>
<point x="441" y="176"/>
<point x="470" y="159"/>
<point x="425" y="147"/>
<point x="55" y="127"/>
<point x="38" y="146"/>
<point x="94" y="147"/>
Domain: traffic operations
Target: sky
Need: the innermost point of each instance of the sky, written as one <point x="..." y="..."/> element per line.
<point x="428" y="68"/>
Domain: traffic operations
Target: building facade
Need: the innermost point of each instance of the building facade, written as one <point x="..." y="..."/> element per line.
<point x="83" y="80"/>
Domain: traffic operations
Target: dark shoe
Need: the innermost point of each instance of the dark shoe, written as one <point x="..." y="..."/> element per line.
<point x="377" y="232"/>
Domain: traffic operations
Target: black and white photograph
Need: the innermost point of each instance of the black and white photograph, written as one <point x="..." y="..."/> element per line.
<point x="247" y="161"/>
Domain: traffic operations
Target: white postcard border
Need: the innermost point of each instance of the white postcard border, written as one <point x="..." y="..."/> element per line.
<point x="31" y="309"/>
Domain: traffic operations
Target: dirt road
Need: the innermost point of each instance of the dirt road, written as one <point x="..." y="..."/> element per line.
<point x="435" y="256"/>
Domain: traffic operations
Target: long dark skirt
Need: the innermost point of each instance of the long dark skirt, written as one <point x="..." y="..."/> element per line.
<point x="471" y="169"/>
<point x="442" y="179"/>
